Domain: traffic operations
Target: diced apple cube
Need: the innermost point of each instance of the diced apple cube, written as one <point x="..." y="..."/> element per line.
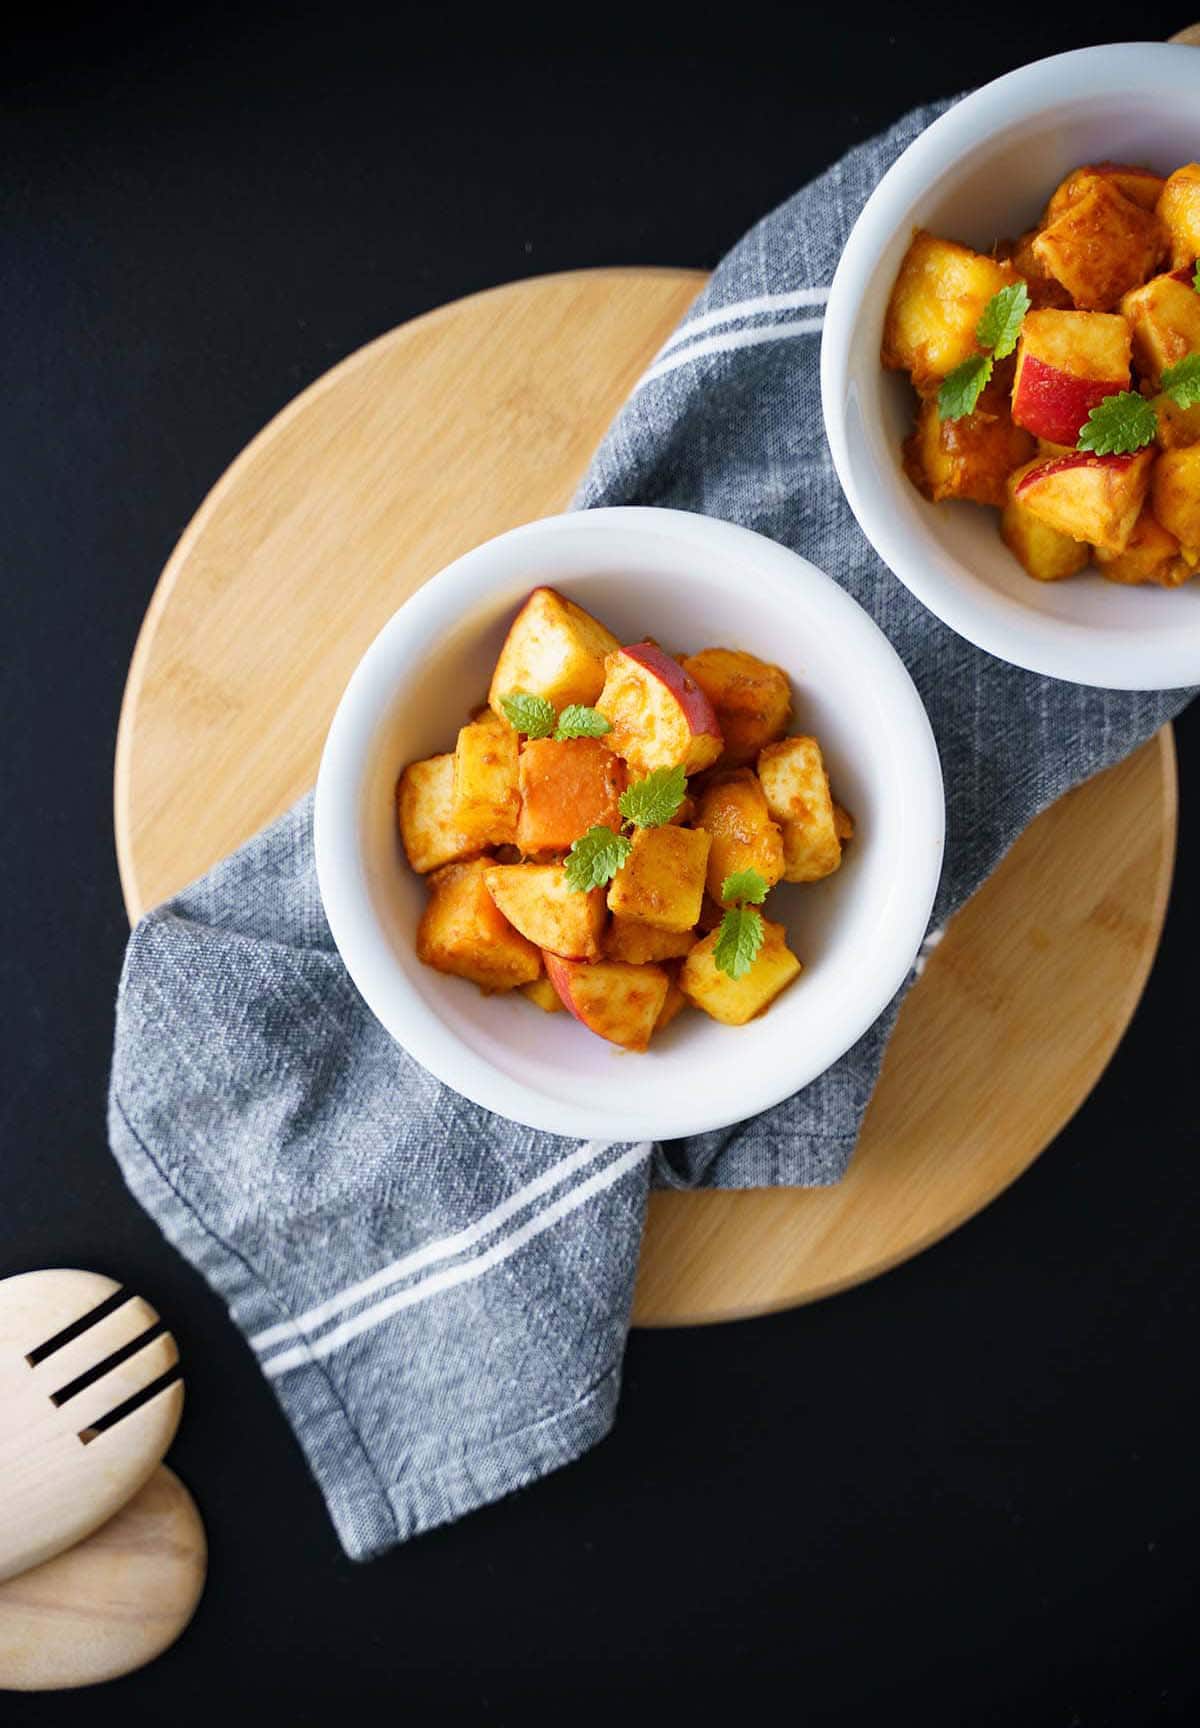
<point x="553" y="649"/>
<point x="966" y="458"/>
<point x="711" y="913"/>
<point x="662" y="881"/>
<point x="566" y="788"/>
<point x="1175" y="496"/>
<point x="1042" y="288"/>
<point x="938" y="297"/>
<point x="641" y="944"/>
<point x="425" y="812"/>
<point x="751" y="698"/>
<point x="462" y="932"/>
<point x="1100" y="246"/>
<point x="1142" y="186"/>
<point x="1093" y="498"/>
<point x="796" y="788"/>
<point x="1164" y="317"/>
<point x="734" y="810"/>
<point x="1151" y="555"/>
<point x="1179" y="212"/>
<point x="1175" y="574"/>
<point x="538" y="901"/>
<point x="659" y="715"/>
<point x="673" y="1002"/>
<point x="486" y="797"/>
<point x="734" y="1001"/>
<point x="543" y="995"/>
<point x="1067" y="363"/>
<point x="1176" y="426"/>
<point x="618" y="1002"/>
<point x="1047" y="555"/>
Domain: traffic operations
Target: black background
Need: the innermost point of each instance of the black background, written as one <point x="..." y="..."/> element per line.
<point x="963" y="1494"/>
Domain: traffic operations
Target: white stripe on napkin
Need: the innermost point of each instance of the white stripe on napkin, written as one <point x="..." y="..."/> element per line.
<point x="781" y="332"/>
<point x="739" y="309"/>
<point x="445" y="1248"/>
<point x="466" y="1272"/>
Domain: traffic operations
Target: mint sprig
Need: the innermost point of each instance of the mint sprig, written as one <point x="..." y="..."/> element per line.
<point x="998" y="328"/>
<point x="961" y="389"/>
<point x="742" y="930"/>
<point x="595" y="858"/>
<point x="738" y="941"/>
<point x="1196" y="277"/>
<point x="1182" y="382"/>
<point x="744" y="885"/>
<point x="1001" y="320"/>
<point x="651" y="802"/>
<point x="576" y="721"/>
<point x="537" y="717"/>
<point x="1119" y="425"/>
<point x="532" y="715"/>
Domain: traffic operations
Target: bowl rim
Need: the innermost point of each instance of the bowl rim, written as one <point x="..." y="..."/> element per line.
<point x="1055" y="647"/>
<point x="343" y="876"/>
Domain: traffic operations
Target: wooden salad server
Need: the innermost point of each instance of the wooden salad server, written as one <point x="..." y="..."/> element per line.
<point x="113" y="1602"/>
<point x="90" y="1398"/>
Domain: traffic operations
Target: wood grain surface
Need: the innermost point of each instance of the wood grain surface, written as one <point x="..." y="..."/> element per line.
<point x="113" y="1602"/>
<point x="466" y="422"/>
<point x="65" y="1465"/>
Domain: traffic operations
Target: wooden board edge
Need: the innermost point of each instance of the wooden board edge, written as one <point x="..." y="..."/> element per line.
<point x="229" y="478"/>
<point x="1169" y="771"/>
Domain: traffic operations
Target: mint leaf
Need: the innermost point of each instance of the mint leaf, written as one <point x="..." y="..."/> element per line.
<point x="576" y="721"/>
<point x="744" y="885"/>
<point x="1196" y="277"/>
<point x="595" y="858"/>
<point x="738" y="941"/>
<point x="652" y="801"/>
<point x="1000" y="324"/>
<point x="1122" y="423"/>
<point x="533" y="715"/>
<point x="1182" y="382"/>
<point x="961" y="389"/>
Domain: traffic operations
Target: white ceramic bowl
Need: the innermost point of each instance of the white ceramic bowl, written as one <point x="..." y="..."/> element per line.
<point x="981" y="172"/>
<point x="690" y="582"/>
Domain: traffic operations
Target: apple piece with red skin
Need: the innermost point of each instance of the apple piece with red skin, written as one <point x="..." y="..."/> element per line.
<point x="1089" y="497"/>
<point x="1053" y="405"/>
<point x="658" y="714"/>
<point x="616" y="1001"/>
<point x="1067" y="363"/>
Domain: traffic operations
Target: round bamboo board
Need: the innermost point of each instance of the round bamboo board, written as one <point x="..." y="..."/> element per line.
<point x="464" y="423"/>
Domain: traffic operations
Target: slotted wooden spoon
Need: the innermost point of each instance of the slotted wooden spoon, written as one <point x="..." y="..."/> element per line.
<point x="90" y="1398"/>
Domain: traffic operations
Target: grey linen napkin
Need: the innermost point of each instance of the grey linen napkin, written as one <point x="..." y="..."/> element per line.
<point x="439" y="1297"/>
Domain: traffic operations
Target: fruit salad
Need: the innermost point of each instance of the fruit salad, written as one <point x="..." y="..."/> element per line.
<point x="1058" y="377"/>
<point x="605" y="830"/>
